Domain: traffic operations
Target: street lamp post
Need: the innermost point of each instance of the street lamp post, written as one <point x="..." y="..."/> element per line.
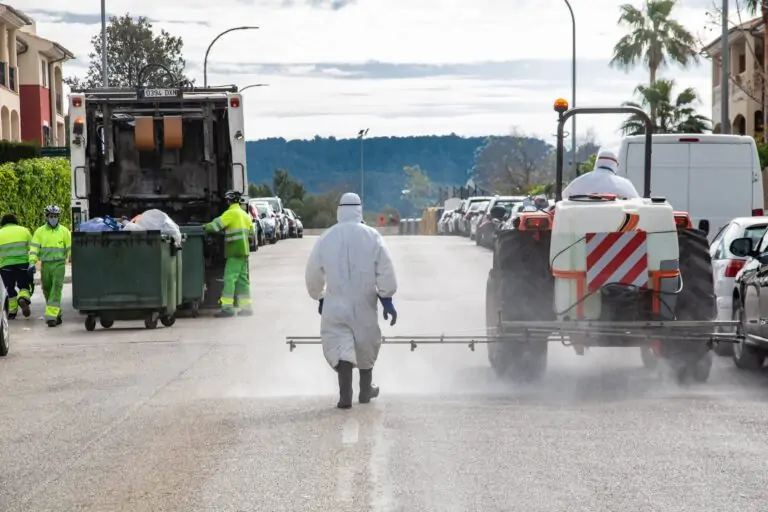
<point x="253" y="85"/>
<point x="361" y="134"/>
<point x="573" y="89"/>
<point x="205" y="60"/>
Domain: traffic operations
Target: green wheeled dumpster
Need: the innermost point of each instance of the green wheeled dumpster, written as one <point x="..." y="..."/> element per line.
<point x="126" y="275"/>
<point x="193" y="268"/>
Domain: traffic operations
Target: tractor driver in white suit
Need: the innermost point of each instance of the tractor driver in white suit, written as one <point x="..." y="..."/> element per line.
<point x="602" y="179"/>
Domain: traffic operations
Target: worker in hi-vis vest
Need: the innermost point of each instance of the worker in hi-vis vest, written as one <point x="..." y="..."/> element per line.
<point x="14" y="264"/>
<point x="238" y="228"/>
<point x="51" y="245"/>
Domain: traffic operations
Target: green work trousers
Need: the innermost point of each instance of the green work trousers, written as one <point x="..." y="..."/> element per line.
<point x="236" y="284"/>
<point x="52" y="278"/>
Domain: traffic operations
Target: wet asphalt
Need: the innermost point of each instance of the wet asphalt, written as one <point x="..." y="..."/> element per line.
<point x="218" y="415"/>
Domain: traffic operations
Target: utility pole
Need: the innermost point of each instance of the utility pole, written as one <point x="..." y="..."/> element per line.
<point x="104" y="74"/>
<point x="361" y="134"/>
<point x="574" y="166"/>
<point x="725" y="76"/>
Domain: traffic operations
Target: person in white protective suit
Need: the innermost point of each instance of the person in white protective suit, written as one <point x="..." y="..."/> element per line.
<point x="348" y="271"/>
<point x="602" y="179"/>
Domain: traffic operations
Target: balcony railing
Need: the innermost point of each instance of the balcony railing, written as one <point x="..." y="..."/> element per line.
<point x="58" y="104"/>
<point x="12" y="79"/>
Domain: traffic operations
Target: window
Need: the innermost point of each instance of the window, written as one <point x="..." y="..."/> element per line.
<point x="47" y="141"/>
<point x="755" y="233"/>
<point x="763" y="245"/>
<point x="44" y="73"/>
<point x="718" y="243"/>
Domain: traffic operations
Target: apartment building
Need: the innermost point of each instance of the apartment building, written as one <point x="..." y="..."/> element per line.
<point x="745" y="87"/>
<point x="31" y="82"/>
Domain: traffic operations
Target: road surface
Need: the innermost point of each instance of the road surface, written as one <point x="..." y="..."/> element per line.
<point x="217" y="415"/>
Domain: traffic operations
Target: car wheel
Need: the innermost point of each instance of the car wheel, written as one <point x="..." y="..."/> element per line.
<point x="745" y="356"/>
<point x="5" y="332"/>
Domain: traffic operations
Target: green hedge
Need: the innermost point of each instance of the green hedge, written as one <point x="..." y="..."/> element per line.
<point x="29" y="185"/>
<point x="15" y="151"/>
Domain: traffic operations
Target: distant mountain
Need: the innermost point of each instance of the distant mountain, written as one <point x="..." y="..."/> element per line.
<point x="322" y="164"/>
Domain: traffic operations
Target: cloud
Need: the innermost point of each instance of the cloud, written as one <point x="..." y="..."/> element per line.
<point x="398" y="66"/>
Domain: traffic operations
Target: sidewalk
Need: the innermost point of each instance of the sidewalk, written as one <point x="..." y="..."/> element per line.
<point x="67" y="275"/>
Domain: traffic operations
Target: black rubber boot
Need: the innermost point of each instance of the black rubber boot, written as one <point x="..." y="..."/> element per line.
<point x="225" y="313"/>
<point x="344" y="369"/>
<point x="367" y="389"/>
<point x="58" y="320"/>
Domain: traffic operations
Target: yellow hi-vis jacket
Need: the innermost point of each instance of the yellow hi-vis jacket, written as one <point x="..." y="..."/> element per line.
<point x="14" y="245"/>
<point x="237" y="227"/>
<point x="50" y="244"/>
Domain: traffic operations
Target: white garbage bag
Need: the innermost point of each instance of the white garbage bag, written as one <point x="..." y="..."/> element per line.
<point x="153" y="220"/>
<point x="132" y="226"/>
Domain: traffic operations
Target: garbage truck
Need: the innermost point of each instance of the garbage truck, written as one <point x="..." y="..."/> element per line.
<point x="176" y="149"/>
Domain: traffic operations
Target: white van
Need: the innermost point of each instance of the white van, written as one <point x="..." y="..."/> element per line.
<point x="712" y="177"/>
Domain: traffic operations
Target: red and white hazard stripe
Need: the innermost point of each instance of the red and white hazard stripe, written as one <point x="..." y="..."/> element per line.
<point x="617" y="257"/>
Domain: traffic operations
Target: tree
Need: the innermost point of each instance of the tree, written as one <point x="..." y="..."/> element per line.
<point x="513" y="164"/>
<point x="678" y="116"/>
<point x="131" y="46"/>
<point x="655" y="38"/>
<point x="261" y="190"/>
<point x="286" y="187"/>
<point x="418" y="186"/>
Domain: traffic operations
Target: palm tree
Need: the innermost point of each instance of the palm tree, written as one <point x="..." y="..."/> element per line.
<point x="654" y="39"/>
<point x="678" y="116"/>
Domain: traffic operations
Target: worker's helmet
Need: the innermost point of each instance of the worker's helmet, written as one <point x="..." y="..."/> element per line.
<point x="232" y="196"/>
<point x="52" y="209"/>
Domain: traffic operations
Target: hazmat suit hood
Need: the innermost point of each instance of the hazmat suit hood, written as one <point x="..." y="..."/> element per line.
<point x="350" y="209"/>
<point x="606" y="160"/>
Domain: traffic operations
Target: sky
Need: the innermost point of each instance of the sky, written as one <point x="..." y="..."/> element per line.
<point x="397" y="67"/>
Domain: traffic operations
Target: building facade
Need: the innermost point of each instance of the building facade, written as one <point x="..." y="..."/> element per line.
<point x="32" y="106"/>
<point x="745" y="81"/>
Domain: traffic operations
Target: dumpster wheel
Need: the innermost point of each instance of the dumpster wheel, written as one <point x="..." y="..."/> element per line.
<point x="151" y="321"/>
<point x="90" y="323"/>
<point x="168" y="320"/>
<point x="106" y="322"/>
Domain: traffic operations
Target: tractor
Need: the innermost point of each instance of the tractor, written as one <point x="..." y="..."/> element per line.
<point x="598" y="270"/>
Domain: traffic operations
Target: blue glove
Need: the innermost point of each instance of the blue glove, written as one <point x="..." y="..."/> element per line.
<point x="389" y="309"/>
<point x="320" y="307"/>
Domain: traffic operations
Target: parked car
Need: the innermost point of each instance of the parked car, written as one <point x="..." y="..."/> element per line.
<point x="5" y="331"/>
<point x="268" y="220"/>
<point x="487" y="225"/>
<point x="749" y="303"/>
<point x="258" y="226"/>
<point x="472" y="207"/>
<point x="458" y="214"/>
<point x="477" y="216"/>
<point x="726" y="266"/>
<point x="281" y="223"/>
<point x="443" y="227"/>
<point x="295" y="227"/>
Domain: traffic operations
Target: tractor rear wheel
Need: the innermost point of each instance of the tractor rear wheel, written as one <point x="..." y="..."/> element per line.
<point x="696" y="302"/>
<point x="520" y="287"/>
